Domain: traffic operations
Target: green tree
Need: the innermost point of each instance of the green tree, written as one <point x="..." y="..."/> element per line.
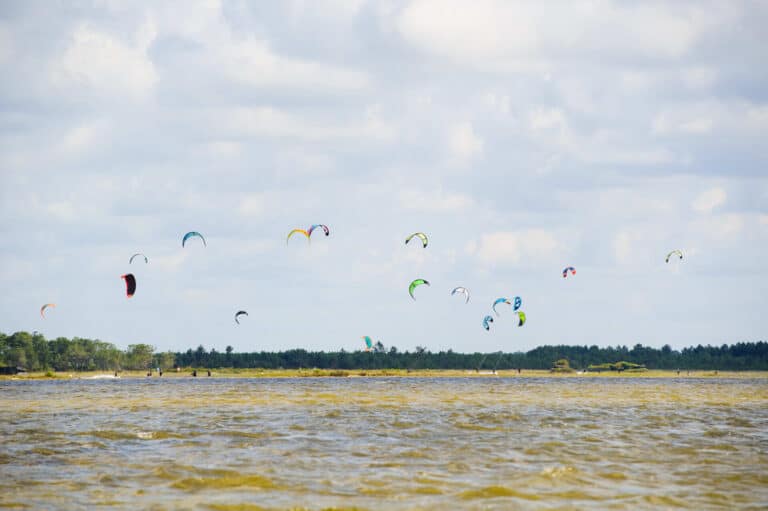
<point x="139" y="356"/>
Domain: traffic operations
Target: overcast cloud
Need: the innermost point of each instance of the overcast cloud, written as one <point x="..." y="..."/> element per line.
<point x="521" y="137"/>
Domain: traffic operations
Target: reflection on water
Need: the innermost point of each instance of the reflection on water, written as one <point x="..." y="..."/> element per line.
<point x="399" y="443"/>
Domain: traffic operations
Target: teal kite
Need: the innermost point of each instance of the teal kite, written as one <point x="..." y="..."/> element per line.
<point x="498" y="301"/>
<point x="190" y="235"/>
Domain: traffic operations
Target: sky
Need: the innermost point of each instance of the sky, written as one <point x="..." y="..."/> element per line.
<point x="521" y="137"/>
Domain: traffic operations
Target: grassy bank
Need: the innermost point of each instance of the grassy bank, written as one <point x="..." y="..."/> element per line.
<point x="423" y="373"/>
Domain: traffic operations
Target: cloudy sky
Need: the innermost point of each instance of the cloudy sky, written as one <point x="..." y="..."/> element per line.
<point x="521" y="138"/>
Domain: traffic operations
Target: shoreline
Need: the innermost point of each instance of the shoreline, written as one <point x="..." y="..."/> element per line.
<point x="381" y="373"/>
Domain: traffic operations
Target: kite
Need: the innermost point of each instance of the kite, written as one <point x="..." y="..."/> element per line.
<point x="521" y="316"/>
<point x="498" y="301"/>
<point x="462" y="290"/>
<point x="414" y="284"/>
<point x="191" y="234"/>
<point x="302" y="231"/>
<point x="134" y="256"/>
<point x="130" y="284"/>
<point x="517" y="304"/>
<point x="315" y="226"/>
<point x="42" y="309"/>
<point x="486" y="321"/>
<point x="368" y="343"/>
<point x="422" y="237"/>
<point x="571" y="269"/>
<point x="238" y="314"/>
<point x="675" y="252"/>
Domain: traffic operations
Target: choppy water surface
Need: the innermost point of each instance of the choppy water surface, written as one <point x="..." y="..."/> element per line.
<point x="400" y="443"/>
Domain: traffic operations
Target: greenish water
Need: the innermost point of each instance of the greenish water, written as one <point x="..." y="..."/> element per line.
<point x="385" y="443"/>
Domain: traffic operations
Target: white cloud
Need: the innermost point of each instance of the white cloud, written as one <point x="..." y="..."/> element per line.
<point x="622" y="246"/>
<point x="252" y="62"/>
<point x="548" y="119"/>
<point x="274" y="122"/>
<point x="499" y="36"/>
<point x="467" y="32"/>
<point x="725" y="226"/>
<point x="327" y="8"/>
<point x="499" y="103"/>
<point x="509" y="247"/>
<point x="698" y="78"/>
<point x="665" y="123"/>
<point x="252" y="205"/>
<point x="104" y="63"/>
<point x="64" y="211"/>
<point x="83" y="137"/>
<point x="464" y="143"/>
<point x="709" y="200"/>
<point x="434" y="201"/>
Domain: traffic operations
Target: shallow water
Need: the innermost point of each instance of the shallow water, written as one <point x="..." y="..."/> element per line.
<point x="385" y="443"/>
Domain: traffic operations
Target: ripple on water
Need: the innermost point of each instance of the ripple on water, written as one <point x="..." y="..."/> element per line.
<point x="388" y="444"/>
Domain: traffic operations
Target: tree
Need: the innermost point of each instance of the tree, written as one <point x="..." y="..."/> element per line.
<point x="139" y="356"/>
<point x="165" y="360"/>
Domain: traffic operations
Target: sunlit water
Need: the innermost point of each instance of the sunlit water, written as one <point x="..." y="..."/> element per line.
<point x="385" y="443"/>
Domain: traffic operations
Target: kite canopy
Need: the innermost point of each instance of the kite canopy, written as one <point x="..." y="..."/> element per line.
<point x="191" y="234"/>
<point x="521" y="316"/>
<point x="420" y="235"/>
<point x="462" y="290"/>
<point x="486" y="322"/>
<point x="238" y="314"/>
<point x="675" y="252"/>
<point x="498" y="301"/>
<point x="414" y="285"/>
<point x="517" y="303"/>
<point x="569" y="269"/>
<point x="42" y="309"/>
<point x="368" y="343"/>
<point x="134" y="256"/>
<point x="130" y="284"/>
<point x="315" y="226"/>
<point x="302" y="231"/>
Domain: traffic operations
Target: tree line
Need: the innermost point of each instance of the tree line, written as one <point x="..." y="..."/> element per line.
<point x="35" y="353"/>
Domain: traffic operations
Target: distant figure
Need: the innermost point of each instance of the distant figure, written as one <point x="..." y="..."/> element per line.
<point x="160" y="372"/>
<point x="678" y="372"/>
<point x="149" y="373"/>
<point x="115" y="374"/>
<point x="178" y="369"/>
<point x="519" y="370"/>
<point x="194" y="373"/>
<point x="209" y="372"/>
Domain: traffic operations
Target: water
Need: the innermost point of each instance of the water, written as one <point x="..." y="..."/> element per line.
<point x="385" y="443"/>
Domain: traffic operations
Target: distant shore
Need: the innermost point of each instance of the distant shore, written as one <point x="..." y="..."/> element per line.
<point x="379" y="373"/>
